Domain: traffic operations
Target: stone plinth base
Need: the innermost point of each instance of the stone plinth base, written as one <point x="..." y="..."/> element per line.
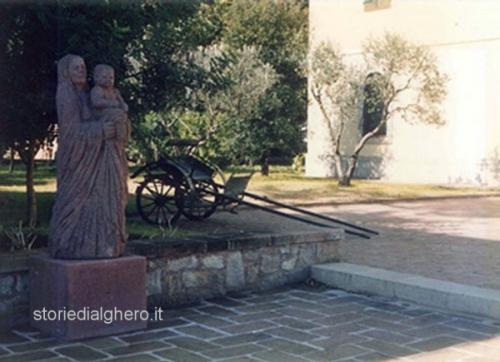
<point x="74" y="299"/>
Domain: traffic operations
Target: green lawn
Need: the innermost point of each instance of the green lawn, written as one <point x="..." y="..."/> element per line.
<point x="13" y="204"/>
<point x="285" y="185"/>
<point x="282" y="184"/>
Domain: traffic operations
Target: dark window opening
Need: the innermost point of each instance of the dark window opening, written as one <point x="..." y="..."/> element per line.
<point x="373" y="105"/>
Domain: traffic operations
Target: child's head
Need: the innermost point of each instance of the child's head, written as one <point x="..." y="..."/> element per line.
<point x="104" y="75"/>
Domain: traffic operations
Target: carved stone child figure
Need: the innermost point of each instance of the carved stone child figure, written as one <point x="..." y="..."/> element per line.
<point x="106" y="101"/>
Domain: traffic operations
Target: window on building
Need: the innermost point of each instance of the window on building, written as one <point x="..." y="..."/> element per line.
<point x="373" y="104"/>
<point x="371" y="5"/>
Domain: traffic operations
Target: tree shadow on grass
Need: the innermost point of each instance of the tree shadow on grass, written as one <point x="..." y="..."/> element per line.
<point x="13" y="207"/>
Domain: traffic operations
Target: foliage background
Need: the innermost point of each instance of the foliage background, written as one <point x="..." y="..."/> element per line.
<point x="153" y="46"/>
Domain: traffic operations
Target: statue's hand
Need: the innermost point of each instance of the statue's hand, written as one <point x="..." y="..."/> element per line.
<point x="109" y="130"/>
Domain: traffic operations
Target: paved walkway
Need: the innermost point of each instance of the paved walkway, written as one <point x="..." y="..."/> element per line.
<point x="456" y="240"/>
<point x="292" y="324"/>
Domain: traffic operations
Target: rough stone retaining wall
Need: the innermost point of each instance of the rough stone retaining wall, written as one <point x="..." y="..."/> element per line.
<point x="254" y="263"/>
<point x="185" y="270"/>
<point x="14" y="300"/>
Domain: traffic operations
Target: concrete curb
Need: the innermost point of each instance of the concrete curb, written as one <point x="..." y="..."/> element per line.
<point x="432" y="292"/>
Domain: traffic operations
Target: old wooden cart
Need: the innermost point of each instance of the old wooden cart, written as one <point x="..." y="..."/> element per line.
<point x="183" y="184"/>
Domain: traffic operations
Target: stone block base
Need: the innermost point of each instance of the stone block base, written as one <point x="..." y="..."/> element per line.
<point x="74" y="299"/>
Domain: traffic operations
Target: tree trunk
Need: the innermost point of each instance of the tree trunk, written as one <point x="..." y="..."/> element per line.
<point x="11" y="163"/>
<point x="30" y="189"/>
<point x="264" y="166"/>
<point x="345" y="180"/>
<point x="339" y="168"/>
<point x="27" y="152"/>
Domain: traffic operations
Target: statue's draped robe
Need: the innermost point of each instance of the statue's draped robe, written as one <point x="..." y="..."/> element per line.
<point x="88" y="218"/>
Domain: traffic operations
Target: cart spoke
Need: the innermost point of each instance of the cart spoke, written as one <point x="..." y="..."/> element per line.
<point x="202" y="201"/>
<point x="168" y="190"/>
<point x="157" y="219"/>
<point x="152" y="192"/>
<point x="149" y="197"/>
<point x="151" y="211"/>
<point x="149" y="204"/>
<point x="166" y="219"/>
<point x="155" y="184"/>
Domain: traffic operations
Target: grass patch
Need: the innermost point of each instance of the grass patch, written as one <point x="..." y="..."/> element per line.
<point x="285" y="185"/>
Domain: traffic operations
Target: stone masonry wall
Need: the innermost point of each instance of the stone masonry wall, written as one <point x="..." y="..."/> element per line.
<point x="173" y="281"/>
<point x="14" y="300"/>
<point x="186" y="270"/>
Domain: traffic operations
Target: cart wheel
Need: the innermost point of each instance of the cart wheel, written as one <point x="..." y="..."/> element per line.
<point x="201" y="201"/>
<point x="159" y="200"/>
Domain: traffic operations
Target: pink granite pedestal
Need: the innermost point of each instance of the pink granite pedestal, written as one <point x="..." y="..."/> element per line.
<point x="88" y="298"/>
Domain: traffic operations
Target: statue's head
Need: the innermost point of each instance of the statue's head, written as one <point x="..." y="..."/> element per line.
<point x="104" y="76"/>
<point x="71" y="68"/>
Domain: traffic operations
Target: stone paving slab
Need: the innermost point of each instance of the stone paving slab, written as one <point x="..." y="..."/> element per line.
<point x="334" y="326"/>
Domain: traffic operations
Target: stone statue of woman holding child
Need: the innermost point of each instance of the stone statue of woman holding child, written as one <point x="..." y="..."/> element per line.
<point x="88" y="217"/>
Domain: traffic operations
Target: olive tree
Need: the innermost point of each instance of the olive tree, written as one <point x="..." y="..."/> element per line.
<point x="396" y="80"/>
<point x="227" y="101"/>
<point x="279" y="31"/>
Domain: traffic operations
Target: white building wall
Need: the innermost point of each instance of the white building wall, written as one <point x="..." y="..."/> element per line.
<point x="465" y="36"/>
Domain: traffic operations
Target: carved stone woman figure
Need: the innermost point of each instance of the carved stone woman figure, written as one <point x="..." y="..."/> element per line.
<point x="88" y="218"/>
